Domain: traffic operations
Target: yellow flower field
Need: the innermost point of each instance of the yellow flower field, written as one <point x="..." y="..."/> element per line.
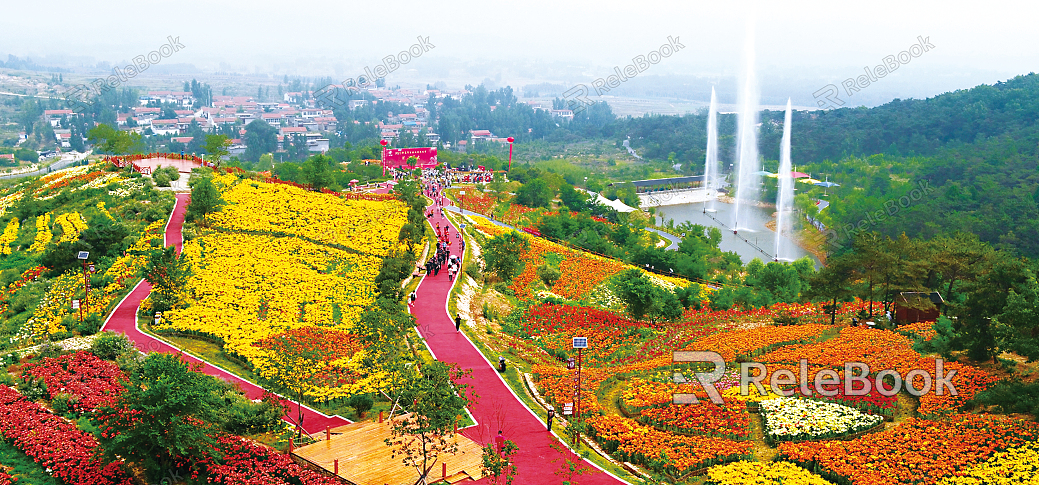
<point x="281" y="259"/>
<point x="1018" y="465"/>
<point x="43" y="233"/>
<point x="71" y="225"/>
<point x="9" y="235"/>
<point x="371" y="227"/>
<point x="247" y="287"/>
<point x="758" y="473"/>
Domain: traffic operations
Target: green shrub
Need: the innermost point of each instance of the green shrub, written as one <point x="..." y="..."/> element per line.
<point x="161" y="178"/>
<point x="244" y="416"/>
<point x="171" y="172"/>
<point x="473" y="270"/>
<point x="32" y="389"/>
<point x="90" y="325"/>
<point x="488" y="312"/>
<point x="362" y="403"/>
<point x="48" y="350"/>
<point x="512" y="324"/>
<point x="504" y="289"/>
<point x="548" y="274"/>
<point x="62" y="403"/>
<point x="110" y="345"/>
<point x="1011" y="397"/>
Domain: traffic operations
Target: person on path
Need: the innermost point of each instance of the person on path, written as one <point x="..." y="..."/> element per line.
<point x="458" y="328"/>
<point x="499" y="442"/>
<point x="551" y="414"/>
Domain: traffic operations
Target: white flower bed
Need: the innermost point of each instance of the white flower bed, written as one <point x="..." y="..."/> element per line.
<point x="792" y="419"/>
<point x="127" y="187"/>
<point x="8" y="201"/>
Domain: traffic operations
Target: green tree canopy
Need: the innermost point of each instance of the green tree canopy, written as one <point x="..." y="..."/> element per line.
<point x="216" y="146"/>
<point x="317" y="171"/>
<point x="107" y="139"/>
<point x="501" y="254"/>
<point x="260" y="138"/>
<point x="168" y="273"/>
<point x="165" y="415"/>
<point x="535" y="193"/>
<point x="435" y="399"/>
<point x="205" y="199"/>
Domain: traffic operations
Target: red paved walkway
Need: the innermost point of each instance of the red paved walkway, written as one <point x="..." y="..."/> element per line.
<point x="497" y="408"/>
<point x="123" y="320"/>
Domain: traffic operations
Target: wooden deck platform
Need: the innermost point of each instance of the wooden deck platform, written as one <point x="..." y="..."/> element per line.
<point x="365" y="459"/>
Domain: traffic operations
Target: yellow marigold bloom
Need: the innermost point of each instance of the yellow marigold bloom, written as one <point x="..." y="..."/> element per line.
<point x="9" y="235"/>
<point x="759" y="473"/>
<point x="1019" y="465"/>
<point x="43" y="233"/>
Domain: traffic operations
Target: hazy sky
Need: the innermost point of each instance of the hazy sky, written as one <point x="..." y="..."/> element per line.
<point x="824" y="40"/>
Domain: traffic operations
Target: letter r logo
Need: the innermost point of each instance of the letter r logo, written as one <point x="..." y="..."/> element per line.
<point x="829" y="92"/>
<point x="706" y="379"/>
<point x="580" y="100"/>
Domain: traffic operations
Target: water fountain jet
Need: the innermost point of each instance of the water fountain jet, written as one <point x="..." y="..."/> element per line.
<point x="785" y="195"/>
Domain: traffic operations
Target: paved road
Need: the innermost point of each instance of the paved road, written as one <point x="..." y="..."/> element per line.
<point x="66" y="160"/>
<point x="673" y="240"/>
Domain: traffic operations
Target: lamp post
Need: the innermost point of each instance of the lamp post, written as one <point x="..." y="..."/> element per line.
<point x="382" y="157"/>
<point x="510" y="140"/>
<point x="82" y="257"/>
<point x="580" y="343"/>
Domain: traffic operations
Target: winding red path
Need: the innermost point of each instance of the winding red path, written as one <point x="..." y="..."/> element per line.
<point x="497" y="407"/>
<point x="124" y="320"/>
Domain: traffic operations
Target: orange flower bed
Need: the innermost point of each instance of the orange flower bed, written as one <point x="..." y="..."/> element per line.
<point x="642" y="394"/>
<point x="474" y="199"/>
<point x="924" y="330"/>
<point x="533" y="257"/>
<point x="662" y="451"/>
<point x="882" y="350"/>
<point x="652" y="401"/>
<point x="968" y="381"/>
<point x="554" y="326"/>
<point x="748" y="343"/>
<point x="814" y="313"/>
<point x="557" y="386"/>
<point x="579" y="271"/>
<point x="517" y="216"/>
<point x="917" y="452"/>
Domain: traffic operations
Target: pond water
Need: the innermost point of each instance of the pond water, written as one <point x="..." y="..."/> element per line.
<point x="757" y="241"/>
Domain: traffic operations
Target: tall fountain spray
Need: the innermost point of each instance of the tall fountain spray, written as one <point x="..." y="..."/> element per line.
<point x="747" y="141"/>
<point x="710" y="169"/>
<point x="785" y="196"/>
